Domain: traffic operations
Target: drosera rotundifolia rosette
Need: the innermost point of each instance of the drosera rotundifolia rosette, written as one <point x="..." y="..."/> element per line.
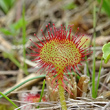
<point x="60" y="52"/>
<point x="30" y="98"/>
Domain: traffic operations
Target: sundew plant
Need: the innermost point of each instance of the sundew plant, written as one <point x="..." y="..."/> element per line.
<point x="60" y="52"/>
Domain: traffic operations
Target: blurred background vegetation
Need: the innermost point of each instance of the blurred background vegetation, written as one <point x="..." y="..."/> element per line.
<point x="20" y="19"/>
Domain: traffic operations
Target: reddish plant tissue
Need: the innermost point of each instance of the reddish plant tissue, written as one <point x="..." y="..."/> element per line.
<point x="60" y="52"/>
<point x="33" y="98"/>
<point x="30" y="98"/>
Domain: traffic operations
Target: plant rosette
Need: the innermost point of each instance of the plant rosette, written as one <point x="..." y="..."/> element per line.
<point x="60" y="51"/>
<point x="30" y="98"/>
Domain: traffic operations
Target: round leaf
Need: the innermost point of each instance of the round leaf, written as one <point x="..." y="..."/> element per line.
<point x="106" y="52"/>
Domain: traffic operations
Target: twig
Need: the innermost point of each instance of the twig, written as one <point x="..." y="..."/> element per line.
<point x="106" y="106"/>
